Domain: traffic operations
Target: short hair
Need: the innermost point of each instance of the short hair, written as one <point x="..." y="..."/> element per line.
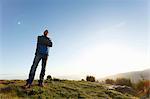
<point x="46" y="31"/>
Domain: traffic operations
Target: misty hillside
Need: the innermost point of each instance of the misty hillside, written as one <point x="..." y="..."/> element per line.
<point x="135" y="76"/>
<point x="61" y="89"/>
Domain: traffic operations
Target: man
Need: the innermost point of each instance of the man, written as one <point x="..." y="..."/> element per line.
<point x="43" y="43"/>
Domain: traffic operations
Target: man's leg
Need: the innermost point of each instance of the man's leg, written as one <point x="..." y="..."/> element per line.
<point x="44" y="60"/>
<point x="33" y="69"/>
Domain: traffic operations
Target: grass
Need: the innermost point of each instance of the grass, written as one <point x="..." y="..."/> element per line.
<point x="63" y="89"/>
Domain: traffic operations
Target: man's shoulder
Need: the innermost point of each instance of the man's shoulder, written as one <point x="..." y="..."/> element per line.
<point x="44" y="37"/>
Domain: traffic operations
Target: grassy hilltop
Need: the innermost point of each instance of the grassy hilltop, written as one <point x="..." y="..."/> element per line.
<point x="62" y="89"/>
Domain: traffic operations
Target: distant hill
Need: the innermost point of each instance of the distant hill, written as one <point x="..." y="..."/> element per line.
<point x="135" y="76"/>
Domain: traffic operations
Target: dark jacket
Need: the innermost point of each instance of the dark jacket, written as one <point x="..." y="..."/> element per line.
<point x="43" y="43"/>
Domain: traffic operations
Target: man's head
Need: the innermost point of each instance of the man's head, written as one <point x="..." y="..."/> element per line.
<point x="45" y="32"/>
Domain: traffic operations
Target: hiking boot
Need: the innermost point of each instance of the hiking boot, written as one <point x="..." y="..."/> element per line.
<point x="41" y="84"/>
<point x="27" y="86"/>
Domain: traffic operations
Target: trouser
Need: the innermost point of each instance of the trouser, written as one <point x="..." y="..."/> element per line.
<point x="37" y="59"/>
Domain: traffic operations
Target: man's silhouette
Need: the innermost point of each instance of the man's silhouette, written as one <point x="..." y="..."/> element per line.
<point x="41" y="53"/>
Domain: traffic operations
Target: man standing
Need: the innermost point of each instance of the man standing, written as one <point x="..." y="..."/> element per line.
<point x="43" y="43"/>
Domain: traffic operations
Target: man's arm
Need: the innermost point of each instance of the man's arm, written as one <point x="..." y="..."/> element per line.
<point x="49" y="43"/>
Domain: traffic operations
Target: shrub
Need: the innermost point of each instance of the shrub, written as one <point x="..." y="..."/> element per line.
<point x="143" y="87"/>
<point x="109" y="81"/>
<point x="123" y="81"/>
<point x="56" y="79"/>
<point x="90" y="78"/>
<point x="49" y="77"/>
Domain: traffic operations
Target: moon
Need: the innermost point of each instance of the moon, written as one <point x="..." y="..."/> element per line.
<point x="18" y="22"/>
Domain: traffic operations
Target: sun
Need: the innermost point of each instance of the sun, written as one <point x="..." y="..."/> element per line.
<point x="108" y="59"/>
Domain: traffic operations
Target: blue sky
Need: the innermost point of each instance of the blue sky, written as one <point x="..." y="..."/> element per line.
<point x="91" y="37"/>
